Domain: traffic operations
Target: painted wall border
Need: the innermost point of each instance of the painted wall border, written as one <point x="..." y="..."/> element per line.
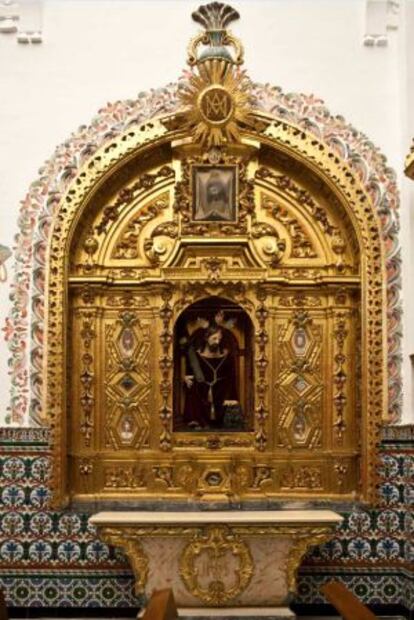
<point x="24" y="328"/>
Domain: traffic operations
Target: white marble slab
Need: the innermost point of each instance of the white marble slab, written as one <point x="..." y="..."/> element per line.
<point x="262" y="517"/>
<point x="267" y="613"/>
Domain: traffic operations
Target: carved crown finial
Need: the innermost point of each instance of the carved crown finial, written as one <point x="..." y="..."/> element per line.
<point x="215" y="16"/>
<point x="217" y="95"/>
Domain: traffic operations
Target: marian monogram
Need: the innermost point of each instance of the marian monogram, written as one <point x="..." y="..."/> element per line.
<point x="216" y="104"/>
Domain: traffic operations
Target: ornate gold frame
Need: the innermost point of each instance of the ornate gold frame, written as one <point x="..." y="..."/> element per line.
<point x="281" y="139"/>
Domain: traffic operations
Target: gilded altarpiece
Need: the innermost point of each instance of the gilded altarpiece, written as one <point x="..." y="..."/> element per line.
<point x="289" y="261"/>
<point x="216" y="323"/>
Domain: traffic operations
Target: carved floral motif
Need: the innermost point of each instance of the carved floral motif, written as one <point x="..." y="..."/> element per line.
<point x="302" y="246"/>
<point x="305" y="199"/>
<point x="125" y="477"/>
<point x="87" y="377"/>
<point x="301" y="478"/>
<point x="126" y="246"/>
<point x="166" y="370"/>
<point x="298" y="300"/>
<point x="112" y="212"/>
<point x="340" y="377"/>
<point x="261" y="361"/>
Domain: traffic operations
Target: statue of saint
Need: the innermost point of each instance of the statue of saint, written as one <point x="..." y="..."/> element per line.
<point x="210" y="379"/>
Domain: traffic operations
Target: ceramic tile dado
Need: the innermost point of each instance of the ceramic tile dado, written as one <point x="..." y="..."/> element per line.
<point x="54" y="558"/>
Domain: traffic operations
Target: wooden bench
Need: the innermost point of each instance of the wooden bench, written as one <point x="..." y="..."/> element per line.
<point x="3" y="609"/>
<point x="346" y="603"/>
<point x="161" y="606"/>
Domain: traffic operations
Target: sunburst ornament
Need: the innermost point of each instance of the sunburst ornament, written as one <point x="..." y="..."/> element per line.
<point x="217" y="93"/>
<point x="218" y="101"/>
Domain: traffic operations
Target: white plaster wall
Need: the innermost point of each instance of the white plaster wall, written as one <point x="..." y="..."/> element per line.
<point x="406" y="107"/>
<point x="95" y="51"/>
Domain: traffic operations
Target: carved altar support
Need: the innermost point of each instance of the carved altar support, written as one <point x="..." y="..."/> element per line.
<point x="217" y="559"/>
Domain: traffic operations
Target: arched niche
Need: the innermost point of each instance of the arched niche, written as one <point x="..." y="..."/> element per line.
<point x="206" y="380"/>
<point x="304" y="259"/>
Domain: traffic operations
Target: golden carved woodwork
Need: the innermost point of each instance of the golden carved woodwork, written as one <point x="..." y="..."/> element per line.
<point x="300" y="255"/>
<point x="126" y="246"/>
<point x="303" y="397"/>
<point x="300" y="382"/>
<point x="216" y="99"/>
<point x="213" y="552"/>
<point x="130" y="543"/>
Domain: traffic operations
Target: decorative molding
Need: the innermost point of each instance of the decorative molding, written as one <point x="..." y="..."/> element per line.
<point x="339" y="379"/>
<point x="381" y="17"/>
<point x="9" y="16"/>
<point x="261" y="361"/>
<point x="22" y="18"/>
<point x="165" y="363"/>
<point x="87" y="377"/>
<point x="404" y="433"/>
<point x="18" y="438"/>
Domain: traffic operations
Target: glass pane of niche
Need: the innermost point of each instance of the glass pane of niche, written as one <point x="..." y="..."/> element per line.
<point x="213" y="368"/>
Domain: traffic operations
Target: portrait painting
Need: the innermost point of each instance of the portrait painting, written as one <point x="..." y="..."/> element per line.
<point x="214" y="193"/>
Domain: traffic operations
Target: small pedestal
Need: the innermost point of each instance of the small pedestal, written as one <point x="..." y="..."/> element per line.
<point x="218" y="564"/>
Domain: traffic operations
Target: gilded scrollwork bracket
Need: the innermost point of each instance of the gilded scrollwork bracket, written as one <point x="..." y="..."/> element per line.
<point x="127" y="539"/>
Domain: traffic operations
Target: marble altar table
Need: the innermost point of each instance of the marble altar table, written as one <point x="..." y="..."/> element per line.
<point x="218" y="563"/>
